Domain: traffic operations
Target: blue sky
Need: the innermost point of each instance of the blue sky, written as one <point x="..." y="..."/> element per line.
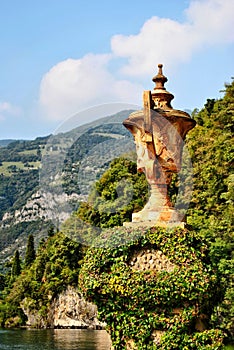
<point x="59" y="57"/>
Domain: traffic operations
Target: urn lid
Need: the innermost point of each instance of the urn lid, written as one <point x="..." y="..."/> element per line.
<point x="161" y="97"/>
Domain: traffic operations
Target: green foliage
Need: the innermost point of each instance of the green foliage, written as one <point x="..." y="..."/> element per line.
<point x="10" y="315"/>
<point x="211" y="211"/>
<point x="51" y="231"/>
<point x="120" y="192"/>
<point x="16" y="266"/>
<point x="136" y="303"/>
<point x="55" y="266"/>
<point x="30" y="254"/>
<point x="9" y="234"/>
<point x="75" y="155"/>
<point x="2" y="281"/>
<point x="15" y="190"/>
<point x="211" y="148"/>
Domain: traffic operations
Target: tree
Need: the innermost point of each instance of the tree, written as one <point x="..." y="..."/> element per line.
<point x="2" y="281"/>
<point x="56" y="265"/>
<point x="51" y="231"/>
<point x="211" y="209"/>
<point x="209" y="105"/>
<point x="120" y="192"/>
<point x="16" y="267"/>
<point x="30" y="251"/>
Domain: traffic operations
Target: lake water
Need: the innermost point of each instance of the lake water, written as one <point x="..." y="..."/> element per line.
<point x="54" y="339"/>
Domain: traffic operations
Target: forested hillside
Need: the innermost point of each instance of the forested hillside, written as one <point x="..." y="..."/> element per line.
<point x="5" y="142"/>
<point x="59" y="167"/>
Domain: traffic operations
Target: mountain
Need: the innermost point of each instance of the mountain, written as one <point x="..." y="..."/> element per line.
<point x="44" y="180"/>
<point x="6" y="142"/>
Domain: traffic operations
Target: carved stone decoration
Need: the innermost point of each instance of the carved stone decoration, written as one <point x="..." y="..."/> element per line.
<point x="151" y="260"/>
<point x="159" y="132"/>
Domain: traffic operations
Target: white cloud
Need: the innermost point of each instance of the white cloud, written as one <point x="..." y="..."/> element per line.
<point x="7" y="109"/>
<point x="212" y="20"/>
<point x="154" y="44"/>
<point x="163" y="40"/>
<point x="76" y="84"/>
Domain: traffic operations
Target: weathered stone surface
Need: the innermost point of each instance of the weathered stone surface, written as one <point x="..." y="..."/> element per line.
<point x="40" y="206"/>
<point x="159" y="132"/>
<point x="151" y="259"/>
<point x="150" y="223"/>
<point x="68" y="310"/>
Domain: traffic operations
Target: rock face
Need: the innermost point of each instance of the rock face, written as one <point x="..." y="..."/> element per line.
<point x="68" y="310"/>
<point x="71" y="310"/>
<point x="41" y="205"/>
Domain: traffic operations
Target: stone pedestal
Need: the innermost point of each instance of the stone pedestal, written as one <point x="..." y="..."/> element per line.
<point x="158" y="211"/>
<point x="154" y="223"/>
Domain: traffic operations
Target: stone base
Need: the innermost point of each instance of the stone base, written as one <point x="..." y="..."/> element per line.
<point x="166" y="217"/>
<point x="161" y="214"/>
<point x="165" y="224"/>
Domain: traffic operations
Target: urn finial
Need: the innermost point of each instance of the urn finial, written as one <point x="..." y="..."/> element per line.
<point x="161" y="97"/>
<point x="159" y="79"/>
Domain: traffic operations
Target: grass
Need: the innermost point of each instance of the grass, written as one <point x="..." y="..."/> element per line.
<point x="114" y="136"/>
<point x="28" y="151"/>
<point x="7" y="171"/>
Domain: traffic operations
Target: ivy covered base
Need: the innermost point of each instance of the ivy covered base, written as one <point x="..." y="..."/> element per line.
<point x="155" y="288"/>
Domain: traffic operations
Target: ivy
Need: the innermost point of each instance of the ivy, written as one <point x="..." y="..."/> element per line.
<point x="136" y="303"/>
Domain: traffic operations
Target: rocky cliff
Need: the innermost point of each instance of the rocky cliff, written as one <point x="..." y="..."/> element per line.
<point x="42" y="205"/>
<point x="68" y="310"/>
